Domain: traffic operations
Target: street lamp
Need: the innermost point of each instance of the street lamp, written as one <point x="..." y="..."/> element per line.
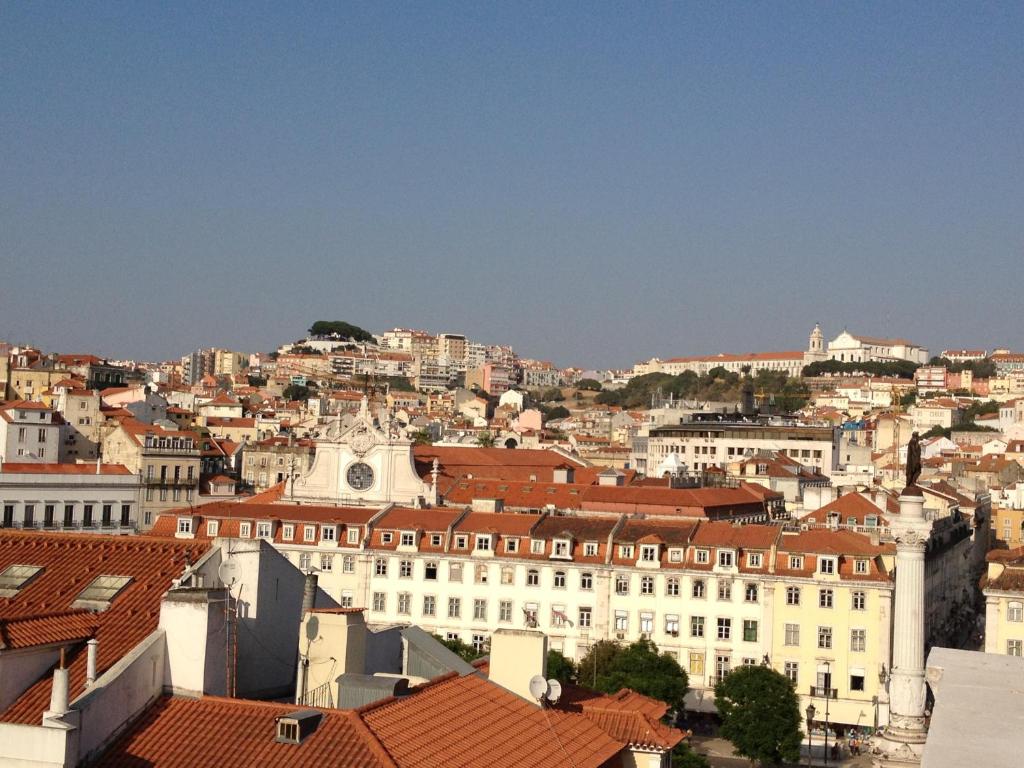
<point x="810" y="716"/>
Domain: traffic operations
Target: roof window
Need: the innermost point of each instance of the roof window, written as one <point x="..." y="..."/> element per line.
<point x="100" y="592"/>
<point x="14" y="577"/>
<point x="295" y="727"/>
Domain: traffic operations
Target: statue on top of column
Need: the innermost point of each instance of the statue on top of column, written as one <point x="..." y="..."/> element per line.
<point x="913" y="460"/>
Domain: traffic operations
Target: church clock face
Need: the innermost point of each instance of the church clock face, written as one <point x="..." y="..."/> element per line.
<point x="359" y="476"/>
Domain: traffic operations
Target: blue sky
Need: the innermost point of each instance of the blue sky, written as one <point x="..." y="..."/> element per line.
<point x="594" y="183"/>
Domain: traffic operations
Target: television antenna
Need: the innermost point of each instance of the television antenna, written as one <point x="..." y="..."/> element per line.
<point x="554" y="692"/>
<point x="538" y="687"/>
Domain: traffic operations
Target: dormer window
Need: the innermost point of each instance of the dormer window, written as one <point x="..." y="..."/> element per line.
<point x="386" y="537"/>
<point x="796" y="562"/>
<point x="328" y="533"/>
<point x="212" y="526"/>
<point x="408" y="539"/>
<point x="435" y="539"/>
<point x="827" y="565"/>
<point x="511" y="545"/>
<point x="675" y="555"/>
<point x="860" y="566"/>
<point x="537" y="546"/>
<point x="483" y="542"/>
<point x="245" y="530"/>
<point x="309" y="533"/>
<point x="100" y="592"/>
<point x="15" y="577"/>
<point x="590" y="549"/>
<point x="560" y="548"/>
<point x="461" y="541"/>
<point x="649" y="553"/>
<point x="353" y="536"/>
<point x="626" y="551"/>
<point x="263" y="530"/>
<point x="725" y="558"/>
<point x="288" y="531"/>
<point x="754" y="559"/>
<point x="702" y="556"/>
<point x="185" y="525"/>
<point x="871" y="521"/>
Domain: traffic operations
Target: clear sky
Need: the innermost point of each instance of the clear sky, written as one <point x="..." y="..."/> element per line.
<point x="593" y="183"/>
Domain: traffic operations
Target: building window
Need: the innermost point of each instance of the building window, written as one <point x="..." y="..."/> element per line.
<point x="483" y="543"/>
<point x="404" y="603"/>
<point x="287" y="531"/>
<point x="455" y="572"/>
<point x="408" y="539"/>
<point x="792" y="595"/>
<point x="1014" y="647"/>
<point x="724" y="590"/>
<point x="754" y="560"/>
<point x="430" y="570"/>
<point x="621" y="584"/>
<point x="380" y="566"/>
<point x="532" y="577"/>
<point x="69" y="515"/>
<point x="749" y="631"/>
<point x="87" y="515"/>
<point x="405" y="569"/>
<point x="696" y="664"/>
<point x="537" y="546"/>
<point x="826" y="565"/>
<point x="386" y="537"/>
<point x="508" y="574"/>
<point x="590" y="549"/>
<point x="512" y="545"/>
<point x="348" y="564"/>
<point x="672" y="625"/>
<point x="263" y="530"/>
<point x="860" y="566"/>
<point x="184" y="525"/>
<point x="454" y="607"/>
<point x="505" y="611"/>
<point x="702" y="556"/>
<point x="796" y="563"/>
<point x="649" y="553"/>
<point x="792" y="671"/>
<point x="725" y="559"/>
<point x="724" y="629"/>
<point x="309" y="533"/>
<point x="328" y="533"/>
<point x="825" y="637"/>
<point x="626" y="551"/>
<point x="429" y="605"/>
<point x="859" y="600"/>
<point x="304" y="561"/>
<point x="326" y="563"/>
<point x="672" y="586"/>
<point x="792" y="634"/>
<point x="856" y="682"/>
<point x="347" y="601"/>
<point x="479" y="643"/>
<point x="560" y="579"/>
<point x="353" y="536"/>
<point x="586" y="580"/>
<point x="858" y="639"/>
<point x="479" y="610"/>
<point x="699" y="589"/>
<point x="380" y="600"/>
<point x="646" y="585"/>
<point x="675" y="555"/>
<point x="621" y="621"/>
<point x="560" y="548"/>
<point x="750" y="593"/>
<point x="1015" y="611"/>
<point x="646" y="623"/>
<point x="824" y="598"/>
<point x="461" y="541"/>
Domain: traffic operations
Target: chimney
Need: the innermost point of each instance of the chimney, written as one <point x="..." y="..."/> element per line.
<point x="59" y="693"/>
<point x="90" y="663"/>
<point x="517" y="655"/>
<point x="309" y="593"/>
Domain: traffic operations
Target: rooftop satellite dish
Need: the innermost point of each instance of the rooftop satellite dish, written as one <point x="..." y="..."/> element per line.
<point x="538" y="687"/>
<point x="229" y="573"/>
<point x="554" y="690"/>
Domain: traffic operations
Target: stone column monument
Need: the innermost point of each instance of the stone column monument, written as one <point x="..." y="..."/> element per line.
<point x="901" y="743"/>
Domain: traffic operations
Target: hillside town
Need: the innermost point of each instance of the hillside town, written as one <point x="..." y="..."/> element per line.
<point x="341" y="544"/>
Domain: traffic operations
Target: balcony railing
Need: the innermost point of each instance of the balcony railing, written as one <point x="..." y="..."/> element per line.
<point x="97" y="526"/>
<point x="824" y="693"/>
<point x="171" y="482"/>
<point x="321" y="696"/>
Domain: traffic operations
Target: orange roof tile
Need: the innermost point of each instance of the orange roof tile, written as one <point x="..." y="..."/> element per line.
<point x="63" y="469"/>
<point x="58" y="627"/>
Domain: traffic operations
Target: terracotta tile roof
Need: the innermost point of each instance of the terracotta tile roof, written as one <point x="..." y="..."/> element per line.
<point x="232" y="733"/>
<point x="849" y="505"/>
<point x="273" y="493"/>
<point x="723" y="357"/>
<point x="505" y="524"/>
<point x="64" y="469"/>
<point x="58" y="627"/>
<point x="722" y="534"/>
<point x="634" y="728"/>
<point x="231" y="421"/>
<point x="70" y="562"/>
<point x="470" y="722"/>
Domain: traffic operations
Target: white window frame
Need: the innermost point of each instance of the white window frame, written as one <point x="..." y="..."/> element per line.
<point x="309" y="533"/>
<point x="288" y="531"/>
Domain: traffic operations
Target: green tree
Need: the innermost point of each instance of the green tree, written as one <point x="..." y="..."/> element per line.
<point x="609" y="667"/>
<point x="559" y="667"/>
<point x="296" y="392"/>
<point x="683" y="756"/>
<point x="552" y="395"/>
<point x="591" y="385"/>
<point x="257" y="381"/>
<point x="760" y="714"/>
<point x="485" y="440"/>
<point x="340" y="329"/>
<point x="422" y="437"/>
<point x="465" y="651"/>
<point x="558" y="412"/>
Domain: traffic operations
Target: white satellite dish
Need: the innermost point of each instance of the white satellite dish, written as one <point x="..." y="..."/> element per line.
<point x="538" y="687"/>
<point x="229" y="573"/>
<point x="554" y="690"/>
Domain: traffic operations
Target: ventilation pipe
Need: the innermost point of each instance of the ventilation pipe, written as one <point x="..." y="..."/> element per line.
<point x="92" y="648"/>
<point x="309" y="593"/>
<point x="59" y="693"/>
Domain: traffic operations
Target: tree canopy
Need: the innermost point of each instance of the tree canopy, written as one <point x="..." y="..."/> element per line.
<point x="558" y="412"/>
<point x="982" y="369"/>
<point x="903" y="369"/>
<point x="551" y="395"/>
<point x="591" y="385"/>
<point x="608" y="667"/>
<point x="760" y="714"/>
<point x="465" y="651"/>
<point x="559" y="667"/>
<point x="296" y="392"/>
<point x="485" y="440"/>
<point x="788" y="394"/>
<point x="340" y="329"/>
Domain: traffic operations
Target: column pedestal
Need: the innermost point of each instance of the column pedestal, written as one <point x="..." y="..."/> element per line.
<point x="901" y="742"/>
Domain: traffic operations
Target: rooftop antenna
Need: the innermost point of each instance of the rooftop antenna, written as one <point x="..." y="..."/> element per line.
<point x="538" y="687"/>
